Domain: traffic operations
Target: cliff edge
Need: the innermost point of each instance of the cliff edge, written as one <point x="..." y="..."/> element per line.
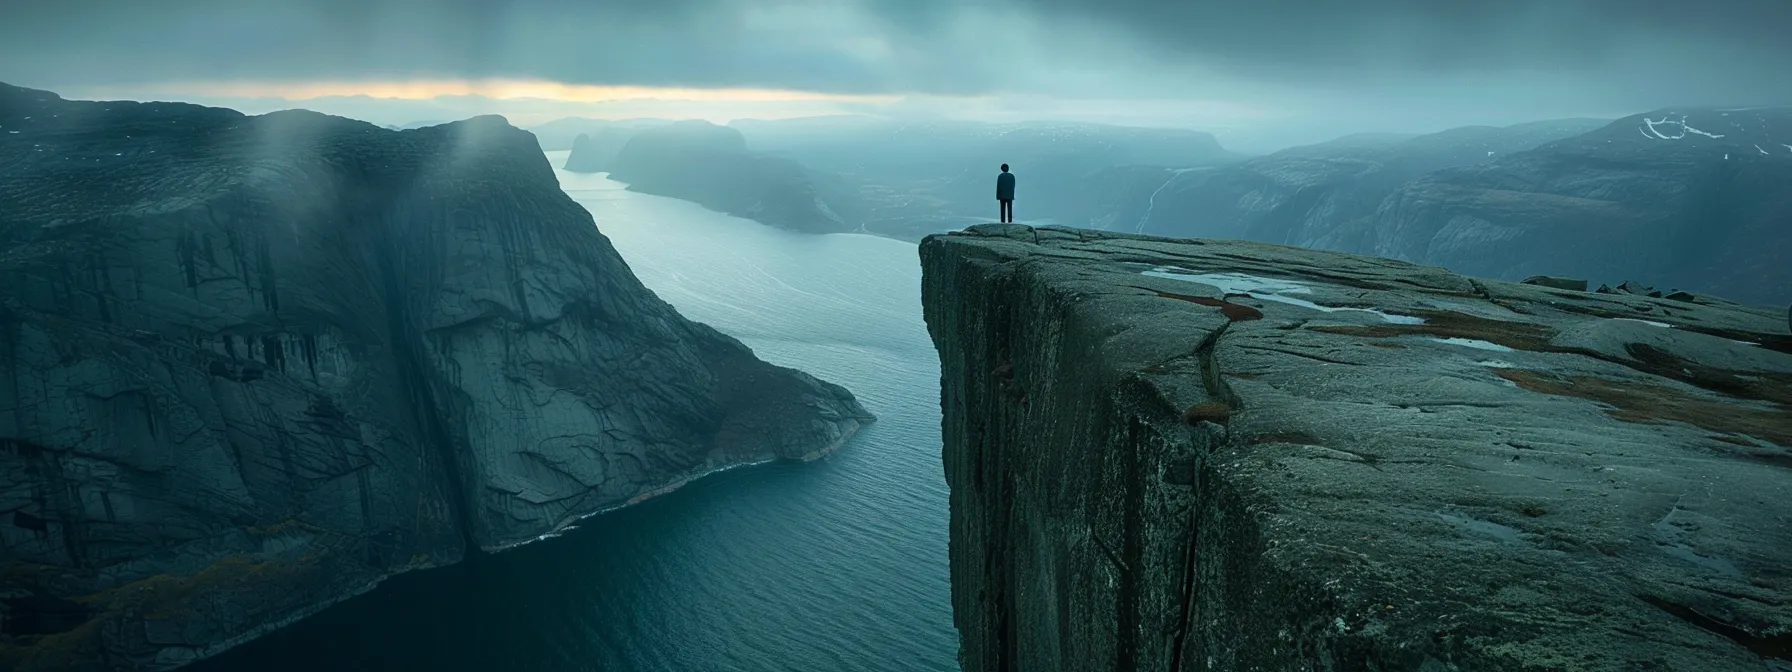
<point x="1219" y="455"/>
<point x="250" y="366"/>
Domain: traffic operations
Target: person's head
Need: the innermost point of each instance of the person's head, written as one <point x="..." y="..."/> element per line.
<point x="1004" y="167"/>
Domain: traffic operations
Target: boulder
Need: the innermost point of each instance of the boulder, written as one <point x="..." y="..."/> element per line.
<point x="1569" y="284"/>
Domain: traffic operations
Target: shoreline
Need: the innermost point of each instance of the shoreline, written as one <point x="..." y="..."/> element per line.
<point x="199" y="654"/>
<point x="676" y="484"/>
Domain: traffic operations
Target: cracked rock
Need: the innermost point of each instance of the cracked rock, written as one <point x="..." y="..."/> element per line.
<point x="1419" y="471"/>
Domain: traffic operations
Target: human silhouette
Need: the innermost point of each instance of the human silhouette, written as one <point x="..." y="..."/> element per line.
<point x="1005" y="194"/>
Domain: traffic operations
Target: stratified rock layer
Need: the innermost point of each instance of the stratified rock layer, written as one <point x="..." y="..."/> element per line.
<point x="250" y="366"/>
<point x="1212" y="455"/>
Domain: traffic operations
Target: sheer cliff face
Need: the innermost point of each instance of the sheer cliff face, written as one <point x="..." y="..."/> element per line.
<point x="252" y="365"/>
<point x="1218" y="455"/>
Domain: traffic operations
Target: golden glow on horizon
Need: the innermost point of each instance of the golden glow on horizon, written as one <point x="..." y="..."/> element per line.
<point x="501" y="89"/>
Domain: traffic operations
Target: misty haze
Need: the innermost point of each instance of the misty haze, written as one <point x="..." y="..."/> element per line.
<point x="890" y="336"/>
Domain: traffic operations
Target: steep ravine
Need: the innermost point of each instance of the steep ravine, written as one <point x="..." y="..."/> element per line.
<point x="1219" y="455"/>
<point x="250" y="366"/>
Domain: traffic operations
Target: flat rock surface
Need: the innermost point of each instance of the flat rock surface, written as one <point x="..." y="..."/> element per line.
<point x="1220" y="455"/>
<point x="250" y="366"/>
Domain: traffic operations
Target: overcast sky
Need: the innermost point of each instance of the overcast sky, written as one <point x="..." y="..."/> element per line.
<point x="1334" y="64"/>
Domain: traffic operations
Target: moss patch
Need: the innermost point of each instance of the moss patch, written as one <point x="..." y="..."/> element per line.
<point x="1776" y="388"/>
<point x="161" y="596"/>
<point x="27" y="574"/>
<point x="1451" y="324"/>
<point x="1646" y="403"/>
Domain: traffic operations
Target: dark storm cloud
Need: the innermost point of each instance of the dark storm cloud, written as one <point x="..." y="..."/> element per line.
<point x="1629" y="53"/>
<point x="1443" y="34"/>
<point x="646" y="42"/>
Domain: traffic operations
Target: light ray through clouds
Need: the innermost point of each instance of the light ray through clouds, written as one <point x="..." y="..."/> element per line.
<point x="1320" y="67"/>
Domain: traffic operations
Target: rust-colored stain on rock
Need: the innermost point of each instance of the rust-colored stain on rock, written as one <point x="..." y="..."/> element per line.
<point x="1236" y="312"/>
<point x="1212" y="411"/>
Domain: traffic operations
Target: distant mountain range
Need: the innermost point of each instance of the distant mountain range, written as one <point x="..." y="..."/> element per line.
<point x="1693" y="199"/>
<point x="712" y="166"/>
<point x="1698" y="199"/>
<point x="558" y="135"/>
<point x="1304" y="195"/>
<point x="414" y="125"/>
<point x="906" y="180"/>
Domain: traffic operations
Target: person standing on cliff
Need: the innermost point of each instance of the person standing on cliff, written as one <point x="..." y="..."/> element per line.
<point x="1005" y="194"/>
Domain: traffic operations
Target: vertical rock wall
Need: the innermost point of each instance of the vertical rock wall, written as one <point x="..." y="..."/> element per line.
<point x="1218" y="455"/>
<point x="250" y="366"/>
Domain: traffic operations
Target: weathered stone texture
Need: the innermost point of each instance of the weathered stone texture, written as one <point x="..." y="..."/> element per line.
<point x="250" y="366"/>
<point x="1258" y="457"/>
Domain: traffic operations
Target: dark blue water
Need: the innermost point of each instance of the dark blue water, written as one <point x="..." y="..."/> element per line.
<point x="838" y="564"/>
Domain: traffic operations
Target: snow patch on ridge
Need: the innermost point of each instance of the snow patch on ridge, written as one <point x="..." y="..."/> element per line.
<point x="1649" y="129"/>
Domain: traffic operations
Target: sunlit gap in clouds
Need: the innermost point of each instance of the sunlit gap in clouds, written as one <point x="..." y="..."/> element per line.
<point x="523" y="101"/>
<point x="498" y="89"/>
<point x="528" y="102"/>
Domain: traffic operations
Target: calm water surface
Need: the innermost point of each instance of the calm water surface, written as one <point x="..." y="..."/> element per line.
<point x="838" y="564"/>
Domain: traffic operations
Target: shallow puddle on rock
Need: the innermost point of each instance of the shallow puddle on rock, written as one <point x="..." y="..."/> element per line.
<point x="1268" y="289"/>
<point x="1651" y="323"/>
<point x="1476" y="344"/>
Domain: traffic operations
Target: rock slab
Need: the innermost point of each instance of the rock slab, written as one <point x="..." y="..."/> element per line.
<point x="250" y="366"/>
<point x="1219" y="455"/>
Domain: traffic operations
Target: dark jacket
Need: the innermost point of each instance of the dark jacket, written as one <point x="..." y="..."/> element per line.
<point x="1005" y="187"/>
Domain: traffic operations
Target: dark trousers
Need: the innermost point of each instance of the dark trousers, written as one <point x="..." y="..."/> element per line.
<point x="1007" y="211"/>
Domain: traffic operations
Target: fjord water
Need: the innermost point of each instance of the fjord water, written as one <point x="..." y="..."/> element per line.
<point x="838" y="564"/>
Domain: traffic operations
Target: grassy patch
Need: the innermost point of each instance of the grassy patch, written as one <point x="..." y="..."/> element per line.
<point x="1451" y="324"/>
<point x="161" y="596"/>
<point x="1776" y="388"/>
<point x="1646" y="403"/>
<point x="1770" y="387"/>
